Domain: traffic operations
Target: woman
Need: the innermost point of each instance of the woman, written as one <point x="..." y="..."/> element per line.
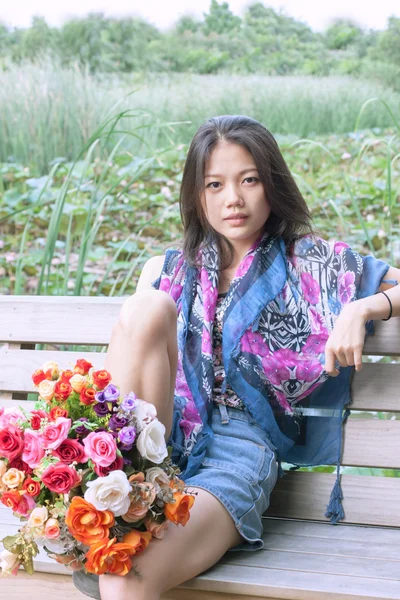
<point x="293" y="309"/>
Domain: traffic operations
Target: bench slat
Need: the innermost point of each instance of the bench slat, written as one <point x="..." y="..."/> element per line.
<point x="89" y="319"/>
<point x="65" y="319"/>
<point x="367" y="499"/>
<point x="372" y="443"/>
<point x="17" y="366"/>
<point x="367" y="442"/>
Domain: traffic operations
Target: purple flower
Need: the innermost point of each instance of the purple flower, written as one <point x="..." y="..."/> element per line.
<point x="127" y="436"/>
<point x="109" y="394"/>
<point x="310" y="288"/>
<point x="129" y="402"/>
<point x="346" y="287"/>
<point x="101" y="409"/>
<point x="117" y="422"/>
<point x="82" y="430"/>
<point x="315" y="343"/>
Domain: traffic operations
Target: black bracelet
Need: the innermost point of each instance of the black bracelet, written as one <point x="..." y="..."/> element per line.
<point x="391" y="307"/>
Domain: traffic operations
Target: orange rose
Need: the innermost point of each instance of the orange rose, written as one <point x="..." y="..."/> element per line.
<point x="31" y="486"/>
<point x="82" y="366"/>
<point x="62" y="390"/>
<point x="66" y="375"/>
<point x="178" y="511"/>
<point x="87" y="524"/>
<point x="87" y="396"/>
<point x="109" y="557"/>
<point x="139" y="540"/>
<point x="101" y="379"/>
<point x="56" y="412"/>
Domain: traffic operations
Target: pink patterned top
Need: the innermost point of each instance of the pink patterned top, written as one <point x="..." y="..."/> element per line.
<point x="229" y="398"/>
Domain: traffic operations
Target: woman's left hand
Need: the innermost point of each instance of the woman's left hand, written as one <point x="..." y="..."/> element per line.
<point x="346" y="340"/>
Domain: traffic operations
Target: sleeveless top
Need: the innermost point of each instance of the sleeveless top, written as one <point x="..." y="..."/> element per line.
<point x="229" y="397"/>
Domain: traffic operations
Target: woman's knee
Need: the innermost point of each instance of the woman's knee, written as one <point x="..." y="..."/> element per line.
<point x="150" y="312"/>
<point x="128" y="587"/>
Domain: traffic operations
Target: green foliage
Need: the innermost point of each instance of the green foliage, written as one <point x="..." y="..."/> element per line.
<point x="342" y="33"/>
<point x="263" y="41"/>
<point x="220" y="19"/>
<point x="387" y="48"/>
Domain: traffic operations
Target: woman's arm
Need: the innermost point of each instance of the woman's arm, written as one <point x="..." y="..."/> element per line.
<point x="347" y="338"/>
<point x="151" y="270"/>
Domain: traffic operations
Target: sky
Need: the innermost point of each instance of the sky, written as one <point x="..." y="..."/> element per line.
<point x="161" y="13"/>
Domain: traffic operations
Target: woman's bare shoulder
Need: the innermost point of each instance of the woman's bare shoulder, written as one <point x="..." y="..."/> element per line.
<point x="151" y="270"/>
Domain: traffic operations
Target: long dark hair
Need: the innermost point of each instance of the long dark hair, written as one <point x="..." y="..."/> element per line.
<point x="290" y="216"/>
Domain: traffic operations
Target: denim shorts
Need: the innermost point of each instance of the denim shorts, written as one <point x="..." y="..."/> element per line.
<point x="240" y="469"/>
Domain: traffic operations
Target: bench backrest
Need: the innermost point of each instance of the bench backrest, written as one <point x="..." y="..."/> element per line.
<point x="371" y="440"/>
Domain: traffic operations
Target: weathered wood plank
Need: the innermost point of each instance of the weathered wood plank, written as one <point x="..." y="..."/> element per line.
<point x="58" y="319"/>
<point x="385" y="341"/>
<point x="376" y="387"/>
<point x="342" y="531"/>
<point x="17" y="366"/>
<point x="367" y="500"/>
<point x="372" y="443"/>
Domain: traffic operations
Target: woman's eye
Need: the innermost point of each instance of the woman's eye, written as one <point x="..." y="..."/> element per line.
<point x="255" y="178"/>
<point x="213" y="183"/>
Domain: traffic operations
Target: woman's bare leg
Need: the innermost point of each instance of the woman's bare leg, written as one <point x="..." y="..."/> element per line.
<point x="183" y="553"/>
<point x="142" y="355"/>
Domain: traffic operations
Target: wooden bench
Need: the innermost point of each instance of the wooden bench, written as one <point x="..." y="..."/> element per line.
<point x="305" y="557"/>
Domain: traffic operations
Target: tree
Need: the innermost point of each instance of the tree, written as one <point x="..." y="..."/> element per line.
<point x="220" y="19"/>
<point x="342" y="33"/>
<point x="388" y="43"/>
<point x="187" y="23"/>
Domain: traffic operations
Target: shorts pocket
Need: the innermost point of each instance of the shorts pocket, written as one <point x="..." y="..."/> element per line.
<point x="236" y="455"/>
<point x="269" y="474"/>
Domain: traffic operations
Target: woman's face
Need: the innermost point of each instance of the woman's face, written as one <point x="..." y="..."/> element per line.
<point x="232" y="186"/>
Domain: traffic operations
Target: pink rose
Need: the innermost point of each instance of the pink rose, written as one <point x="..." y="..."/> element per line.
<point x="70" y="451"/>
<point x="33" y="451"/>
<point x="55" y="433"/>
<point x="60" y="478"/>
<point x="157" y="529"/>
<point x="11" y="442"/>
<point x="10" y="416"/>
<point x="101" y="448"/>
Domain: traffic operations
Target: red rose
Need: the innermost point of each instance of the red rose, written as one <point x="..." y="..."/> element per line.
<point x="37" y="416"/>
<point x="62" y="390"/>
<point x="82" y="366"/>
<point x="66" y="375"/>
<point x="19" y="464"/>
<point x="101" y="379"/>
<point x="31" y="487"/>
<point x="70" y="451"/>
<point x="11" y="442"/>
<point x="87" y="396"/>
<point x="56" y="412"/>
<point x="116" y="465"/>
<point x="60" y="478"/>
<point x="38" y="376"/>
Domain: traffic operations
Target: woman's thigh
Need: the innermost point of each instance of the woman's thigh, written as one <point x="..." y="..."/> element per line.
<point x="183" y="553"/>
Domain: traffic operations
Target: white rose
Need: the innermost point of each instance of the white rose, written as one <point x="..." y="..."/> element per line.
<point x="110" y="493"/>
<point x="157" y="477"/>
<point x="51" y="366"/>
<point x="151" y="442"/>
<point x="8" y="562"/>
<point x="145" y="413"/>
<point x="38" y="517"/>
<point x="77" y="382"/>
<point x="46" y="389"/>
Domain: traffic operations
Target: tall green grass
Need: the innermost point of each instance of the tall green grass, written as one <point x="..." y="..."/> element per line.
<point x="47" y="111"/>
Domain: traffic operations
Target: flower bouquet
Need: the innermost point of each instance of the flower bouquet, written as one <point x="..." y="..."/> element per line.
<point x="88" y="473"/>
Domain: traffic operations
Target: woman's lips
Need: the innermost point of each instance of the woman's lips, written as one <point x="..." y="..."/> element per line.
<point x="238" y="221"/>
